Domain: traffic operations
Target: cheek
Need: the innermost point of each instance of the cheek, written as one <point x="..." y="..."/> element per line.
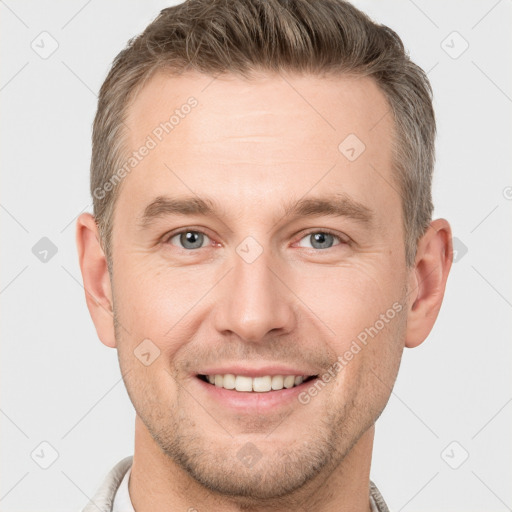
<point x="152" y="297"/>
<point x="350" y="301"/>
<point x="368" y="366"/>
<point x="362" y="307"/>
<point x="152" y="389"/>
<point x="159" y="304"/>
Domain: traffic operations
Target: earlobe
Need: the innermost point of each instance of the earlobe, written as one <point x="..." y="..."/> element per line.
<point x="428" y="281"/>
<point x="96" y="279"/>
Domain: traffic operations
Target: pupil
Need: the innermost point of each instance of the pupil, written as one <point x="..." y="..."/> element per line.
<point x="191" y="240"/>
<point x="322" y="239"/>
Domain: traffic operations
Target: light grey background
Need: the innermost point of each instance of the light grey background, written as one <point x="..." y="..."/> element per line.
<point x="60" y="385"/>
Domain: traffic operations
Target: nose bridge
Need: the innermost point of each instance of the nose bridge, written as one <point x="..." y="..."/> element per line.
<point x="254" y="300"/>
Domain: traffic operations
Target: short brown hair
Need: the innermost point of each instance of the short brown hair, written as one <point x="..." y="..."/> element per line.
<point x="243" y="36"/>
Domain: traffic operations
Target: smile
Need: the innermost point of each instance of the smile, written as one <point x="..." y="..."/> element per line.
<point x="262" y="384"/>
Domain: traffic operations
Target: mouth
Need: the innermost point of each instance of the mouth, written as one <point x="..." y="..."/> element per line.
<point x="261" y="384"/>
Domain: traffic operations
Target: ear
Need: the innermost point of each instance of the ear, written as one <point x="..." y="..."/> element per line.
<point x="93" y="265"/>
<point x="427" y="281"/>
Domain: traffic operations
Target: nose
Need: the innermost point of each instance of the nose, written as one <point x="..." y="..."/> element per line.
<point x="254" y="302"/>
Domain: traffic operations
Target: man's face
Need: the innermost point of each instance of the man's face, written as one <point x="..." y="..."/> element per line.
<point x="254" y="290"/>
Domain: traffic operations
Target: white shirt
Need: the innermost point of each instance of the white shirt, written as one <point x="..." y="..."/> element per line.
<point x="122" y="501"/>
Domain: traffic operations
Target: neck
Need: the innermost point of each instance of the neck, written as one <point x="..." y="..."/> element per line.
<point x="157" y="483"/>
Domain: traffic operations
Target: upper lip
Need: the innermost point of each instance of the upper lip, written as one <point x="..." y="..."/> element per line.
<point x="260" y="371"/>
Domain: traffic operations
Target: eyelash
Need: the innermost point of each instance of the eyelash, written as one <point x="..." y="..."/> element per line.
<point x="304" y="235"/>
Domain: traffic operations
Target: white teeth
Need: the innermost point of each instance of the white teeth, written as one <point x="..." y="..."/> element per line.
<point x="257" y="384"/>
<point x="289" y="381"/>
<point x="262" y="384"/>
<point x="277" y="382"/>
<point x="229" y="381"/>
<point x="243" y="383"/>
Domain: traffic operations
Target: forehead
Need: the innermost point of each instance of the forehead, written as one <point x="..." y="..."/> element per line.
<point x="324" y="109"/>
<point x="242" y="138"/>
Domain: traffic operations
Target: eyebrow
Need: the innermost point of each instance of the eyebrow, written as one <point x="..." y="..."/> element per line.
<point x="336" y="205"/>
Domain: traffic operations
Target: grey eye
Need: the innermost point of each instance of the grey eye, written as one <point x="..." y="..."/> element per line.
<point x="190" y="239"/>
<point x="320" y="240"/>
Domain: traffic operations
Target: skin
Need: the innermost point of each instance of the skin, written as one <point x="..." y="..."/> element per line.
<point x="251" y="146"/>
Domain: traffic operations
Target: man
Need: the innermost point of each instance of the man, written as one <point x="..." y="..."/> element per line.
<point x="261" y="251"/>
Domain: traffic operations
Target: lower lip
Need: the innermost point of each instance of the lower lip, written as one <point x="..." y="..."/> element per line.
<point x="254" y="402"/>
